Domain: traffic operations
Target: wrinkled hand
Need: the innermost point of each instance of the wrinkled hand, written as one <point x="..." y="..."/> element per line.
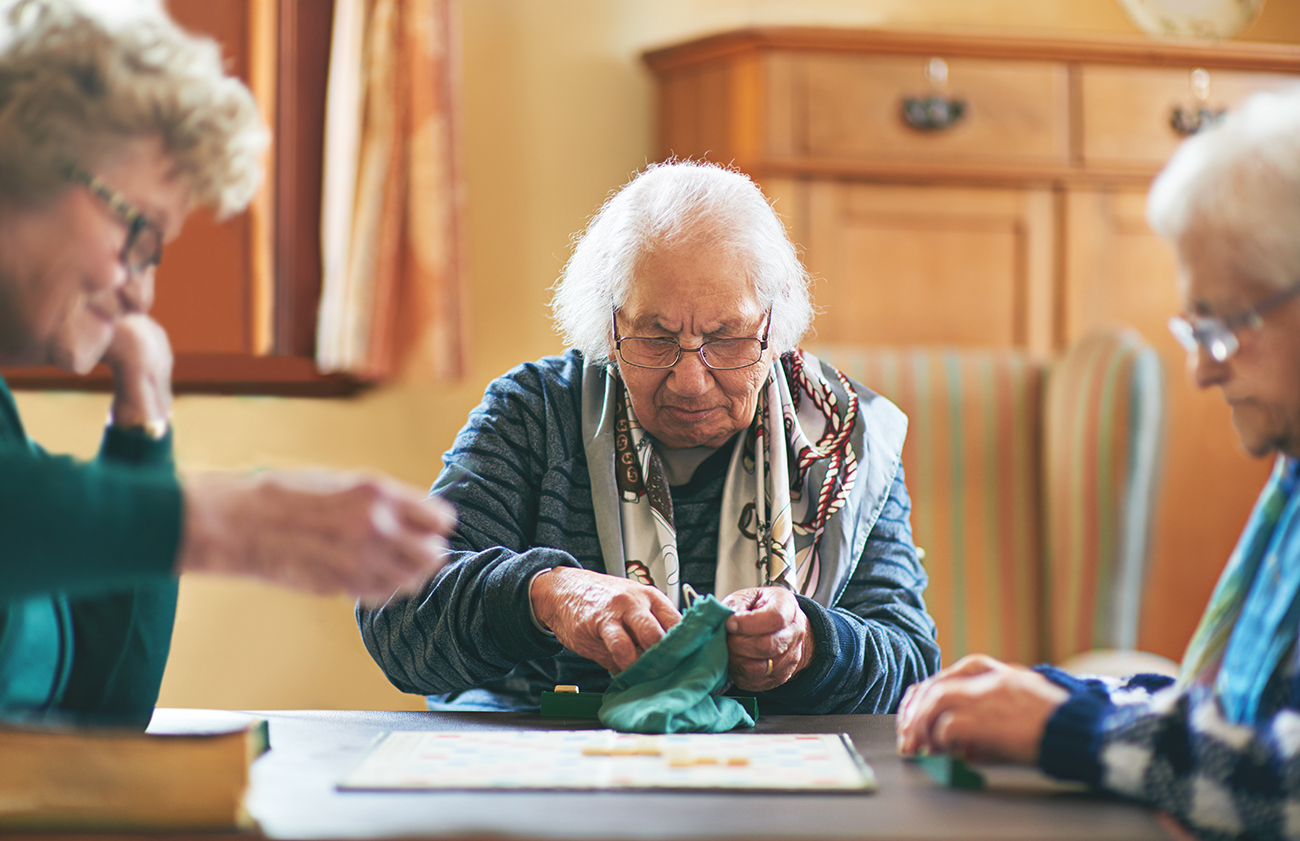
<point x="140" y="358"/>
<point x="979" y="708"/>
<point x="320" y="532"/>
<point x="601" y="617"/>
<point x="768" y="627"/>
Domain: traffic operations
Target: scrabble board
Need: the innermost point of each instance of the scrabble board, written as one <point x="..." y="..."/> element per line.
<point x="605" y="760"/>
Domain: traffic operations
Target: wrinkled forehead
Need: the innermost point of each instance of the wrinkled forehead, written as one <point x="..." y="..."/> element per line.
<point x="690" y="276"/>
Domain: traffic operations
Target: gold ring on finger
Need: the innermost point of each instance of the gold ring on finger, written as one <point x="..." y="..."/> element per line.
<point x="769" y="668"/>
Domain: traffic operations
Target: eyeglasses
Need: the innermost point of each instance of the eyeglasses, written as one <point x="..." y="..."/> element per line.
<point x="1219" y="335"/>
<point x="144" y="239"/>
<point x="718" y="354"/>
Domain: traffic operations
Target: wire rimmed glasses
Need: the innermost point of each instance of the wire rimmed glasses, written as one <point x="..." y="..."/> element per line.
<point x="144" y="240"/>
<point x="1218" y="336"/>
<point x="663" y="352"/>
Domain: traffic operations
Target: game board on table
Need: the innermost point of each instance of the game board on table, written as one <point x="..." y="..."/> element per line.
<point x="603" y="759"/>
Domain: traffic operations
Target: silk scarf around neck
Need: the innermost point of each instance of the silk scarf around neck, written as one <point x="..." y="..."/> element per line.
<point x="792" y="469"/>
<point x="1253" y="616"/>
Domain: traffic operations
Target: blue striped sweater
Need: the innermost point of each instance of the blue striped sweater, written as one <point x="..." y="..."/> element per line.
<point x="517" y="474"/>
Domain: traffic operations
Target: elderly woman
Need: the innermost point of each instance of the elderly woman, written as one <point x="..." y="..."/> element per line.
<point x="684" y="440"/>
<point x="1218" y="746"/>
<point x="108" y="137"/>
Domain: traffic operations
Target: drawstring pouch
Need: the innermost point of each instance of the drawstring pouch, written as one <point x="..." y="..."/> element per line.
<point x="672" y="686"/>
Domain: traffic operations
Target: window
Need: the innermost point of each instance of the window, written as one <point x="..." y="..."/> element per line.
<point x="239" y="298"/>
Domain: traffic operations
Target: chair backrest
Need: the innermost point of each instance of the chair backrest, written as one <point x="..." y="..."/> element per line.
<point x="973" y="472"/>
<point x="1102" y="437"/>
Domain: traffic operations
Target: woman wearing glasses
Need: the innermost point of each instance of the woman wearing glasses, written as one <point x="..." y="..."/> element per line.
<point x="684" y="440"/>
<point x="1220" y="746"/>
<point x="109" y="135"/>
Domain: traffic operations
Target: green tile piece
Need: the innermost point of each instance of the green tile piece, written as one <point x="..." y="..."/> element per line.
<point x="571" y="704"/>
<point x="587" y="704"/>
<point x="951" y="771"/>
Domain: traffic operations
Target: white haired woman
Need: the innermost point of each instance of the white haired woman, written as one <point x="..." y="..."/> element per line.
<point x="1218" y="746"/>
<point x="108" y="137"/>
<point x="683" y="440"/>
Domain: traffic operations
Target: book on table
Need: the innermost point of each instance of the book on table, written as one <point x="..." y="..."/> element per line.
<point x="189" y="771"/>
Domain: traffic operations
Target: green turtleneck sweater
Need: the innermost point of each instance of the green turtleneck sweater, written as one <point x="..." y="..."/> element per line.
<point x="87" y="590"/>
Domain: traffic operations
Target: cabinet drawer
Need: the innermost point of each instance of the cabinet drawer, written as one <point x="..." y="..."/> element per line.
<point x="1127" y="112"/>
<point x="1014" y="111"/>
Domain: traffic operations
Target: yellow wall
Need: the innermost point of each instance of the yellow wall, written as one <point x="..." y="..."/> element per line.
<point x="557" y="114"/>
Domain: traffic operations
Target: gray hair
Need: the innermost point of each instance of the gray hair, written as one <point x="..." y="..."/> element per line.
<point x="76" y="87"/>
<point x="672" y="204"/>
<point x="1240" y="178"/>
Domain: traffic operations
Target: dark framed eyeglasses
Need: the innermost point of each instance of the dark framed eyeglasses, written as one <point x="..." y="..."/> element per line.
<point x="1219" y="335"/>
<point x="718" y="354"/>
<point x="144" y="239"/>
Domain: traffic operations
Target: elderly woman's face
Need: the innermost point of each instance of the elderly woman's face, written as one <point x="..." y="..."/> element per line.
<point x="693" y="295"/>
<point x="63" y="286"/>
<point x="1261" y="381"/>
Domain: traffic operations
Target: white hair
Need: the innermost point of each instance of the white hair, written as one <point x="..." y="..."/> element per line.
<point x="1240" y="178"/>
<point x="668" y="205"/>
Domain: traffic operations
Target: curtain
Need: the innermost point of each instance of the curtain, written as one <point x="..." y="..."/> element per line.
<point x="392" y="292"/>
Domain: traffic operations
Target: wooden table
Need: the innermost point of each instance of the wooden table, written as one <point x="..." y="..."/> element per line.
<point x="293" y="794"/>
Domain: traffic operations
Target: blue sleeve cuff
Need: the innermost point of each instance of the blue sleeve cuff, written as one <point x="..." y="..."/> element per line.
<point x="1061" y="678"/>
<point x="506" y="599"/>
<point x="1071" y="745"/>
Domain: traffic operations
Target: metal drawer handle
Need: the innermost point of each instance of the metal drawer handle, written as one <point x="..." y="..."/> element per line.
<point x="1188" y="122"/>
<point x="934" y="113"/>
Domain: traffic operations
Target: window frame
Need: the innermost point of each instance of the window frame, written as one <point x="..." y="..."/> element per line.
<point x="300" y="45"/>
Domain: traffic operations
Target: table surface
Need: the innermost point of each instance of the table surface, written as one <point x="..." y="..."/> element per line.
<point x="293" y="794"/>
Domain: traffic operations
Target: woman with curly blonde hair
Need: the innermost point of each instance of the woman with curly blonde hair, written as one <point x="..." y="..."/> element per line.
<point x="110" y="133"/>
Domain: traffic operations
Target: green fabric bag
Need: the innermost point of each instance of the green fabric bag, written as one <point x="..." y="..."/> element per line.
<point x="669" y="689"/>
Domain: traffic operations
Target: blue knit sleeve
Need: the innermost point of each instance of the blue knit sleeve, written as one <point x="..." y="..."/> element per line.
<point x="472" y="622"/>
<point x="878" y="638"/>
<point x="1145" y="739"/>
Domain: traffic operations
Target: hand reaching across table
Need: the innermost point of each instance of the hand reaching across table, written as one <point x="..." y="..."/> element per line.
<point x="319" y="532"/>
<point x="981" y="709"/>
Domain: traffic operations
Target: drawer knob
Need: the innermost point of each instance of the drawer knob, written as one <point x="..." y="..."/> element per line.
<point x="1186" y="122"/>
<point x="932" y="113"/>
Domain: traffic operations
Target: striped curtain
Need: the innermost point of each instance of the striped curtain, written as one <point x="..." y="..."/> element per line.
<point x="392" y="288"/>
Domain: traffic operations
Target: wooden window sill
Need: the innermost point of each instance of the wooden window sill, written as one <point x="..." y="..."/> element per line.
<point x="207" y="373"/>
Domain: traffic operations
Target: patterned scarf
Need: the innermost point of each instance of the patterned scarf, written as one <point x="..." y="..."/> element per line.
<point x="1254" y="614"/>
<point x="792" y="470"/>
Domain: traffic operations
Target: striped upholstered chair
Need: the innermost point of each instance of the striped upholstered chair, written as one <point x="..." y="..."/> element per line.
<point x="1032" y="488"/>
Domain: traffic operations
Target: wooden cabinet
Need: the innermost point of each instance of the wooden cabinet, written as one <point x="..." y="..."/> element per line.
<point x="1021" y="223"/>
